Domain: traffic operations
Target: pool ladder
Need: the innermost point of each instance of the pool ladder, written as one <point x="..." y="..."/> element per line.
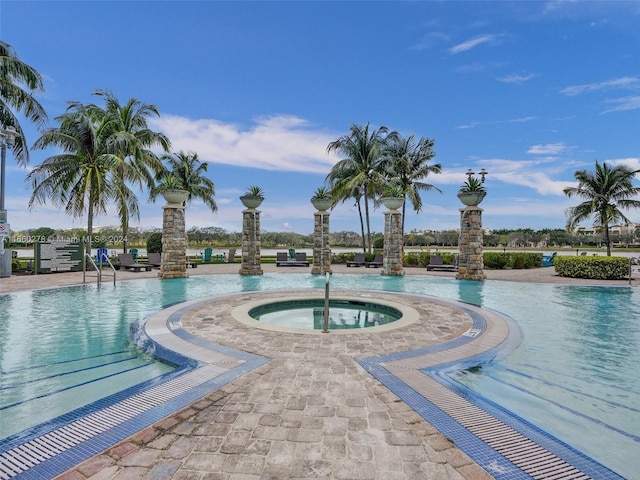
<point x="98" y="268"/>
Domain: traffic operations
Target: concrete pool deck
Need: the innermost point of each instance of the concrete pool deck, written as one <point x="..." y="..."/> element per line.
<point x="311" y="411"/>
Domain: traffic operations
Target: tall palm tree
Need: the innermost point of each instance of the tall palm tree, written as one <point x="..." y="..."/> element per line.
<point x="405" y="163"/>
<point x="605" y="192"/>
<point x="358" y="172"/>
<point x="18" y="82"/>
<point x="189" y="171"/>
<point x="131" y="140"/>
<point x="80" y="179"/>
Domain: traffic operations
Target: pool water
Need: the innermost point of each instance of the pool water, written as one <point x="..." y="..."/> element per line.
<point x="309" y="314"/>
<point x="575" y="374"/>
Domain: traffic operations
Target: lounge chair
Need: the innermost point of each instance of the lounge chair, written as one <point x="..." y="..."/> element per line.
<point x="376" y="263"/>
<point x="154" y="259"/>
<point x="437" y="263"/>
<point x="358" y="260"/>
<point x="547" y="260"/>
<point x="301" y="259"/>
<point x="283" y="260"/>
<point x="126" y="261"/>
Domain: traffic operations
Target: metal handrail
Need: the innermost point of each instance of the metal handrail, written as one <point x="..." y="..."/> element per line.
<point x="113" y="269"/>
<point x="95" y="267"/>
<point x="98" y="269"/>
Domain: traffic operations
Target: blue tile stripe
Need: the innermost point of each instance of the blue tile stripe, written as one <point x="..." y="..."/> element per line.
<point x="71" y="457"/>
<point x="482" y="453"/>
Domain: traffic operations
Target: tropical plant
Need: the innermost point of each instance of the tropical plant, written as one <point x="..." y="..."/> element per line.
<point x="321" y="193"/>
<point x="605" y="192"/>
<point x="358" y="174"/>
<point x="131" y="140"/>
<point x="393" y="191"/>
<point x="189" y="172"/>
<point x="472" y="185"/>
<point x="254" y="191"/>
<point x="170" y="182"/>
<point x="80" y="178"/>
<point x="18" y="83"/>
<point x="405" y="160"/>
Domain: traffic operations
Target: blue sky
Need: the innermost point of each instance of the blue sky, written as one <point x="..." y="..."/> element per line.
<point x="531" y="91"/>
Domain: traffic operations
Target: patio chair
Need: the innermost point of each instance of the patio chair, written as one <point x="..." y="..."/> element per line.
<point x="126" y="262"/>
<point x="547" y="260"/>
<point x="154" y="259"/>
<point x="358" y="260"/>
<point x="281" y="258"/>
<point x="376" y="263"/>
<point x="437" y="263"/>
<point x="301" y="259"/>
<point x="134" y="254"/>
<point x="292" y="254"/>
<point x="206" y="256"/>
<point x="102" y="256"/>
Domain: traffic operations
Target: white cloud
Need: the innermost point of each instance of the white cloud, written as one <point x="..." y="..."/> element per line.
<point x="281" y="142"/>
<point x="474" y="42"/>
<point x="515" y="78"/>
<point x="548" y="149"/>
<point x="624" y="103"/>
<point x="622" y="82"/>
<point x="631" y="162"/>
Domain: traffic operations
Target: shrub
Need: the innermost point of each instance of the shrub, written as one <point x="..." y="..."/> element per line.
<point x="595" y="267"/>
<point x="154" y="243"/>
<point x="496" y="260"/>
<point x="516" y="260"/>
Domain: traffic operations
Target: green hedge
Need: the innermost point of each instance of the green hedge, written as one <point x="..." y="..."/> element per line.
<point x="517" y="260"/>
<point x="595" y="267"/>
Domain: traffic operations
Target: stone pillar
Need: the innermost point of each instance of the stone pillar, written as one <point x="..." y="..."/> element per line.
<point x="174" y="242"/>
<point x="251" y="243"/>
<point x="470" y="261"/>
<point x="393" y="244"/>
<point x="321" y="249"/>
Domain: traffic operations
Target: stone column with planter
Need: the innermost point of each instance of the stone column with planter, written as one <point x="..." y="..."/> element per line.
<point x="321" y="249"/>
<point x="251" y="240"/>
<point x="393" y="238"/>
<point x="470" y="260"/>
<point x="174" y="236"/>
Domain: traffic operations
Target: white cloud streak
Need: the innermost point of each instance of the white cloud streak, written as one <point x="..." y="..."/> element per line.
<point x="281" y="142"/>
<point x="622" y="82"/>
<point x="474" y="42"/>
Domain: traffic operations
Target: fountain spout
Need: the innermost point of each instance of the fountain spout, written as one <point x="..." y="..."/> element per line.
<point x="325" y="328"/>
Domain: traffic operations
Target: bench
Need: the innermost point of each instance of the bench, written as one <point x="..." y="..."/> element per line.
<point x="436" y="263"/>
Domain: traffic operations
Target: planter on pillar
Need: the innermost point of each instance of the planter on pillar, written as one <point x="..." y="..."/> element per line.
<point x="393" y="238"/>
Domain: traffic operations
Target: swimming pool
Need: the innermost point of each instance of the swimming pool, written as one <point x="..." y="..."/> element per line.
<point x="574" y="373"/>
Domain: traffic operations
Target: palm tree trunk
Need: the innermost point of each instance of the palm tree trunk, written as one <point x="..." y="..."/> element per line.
<point x="607" y="239"/>
<point x="89" y="225"/>
<point x="366" y="211"/>
<point x="364" y="246"/>
<point x="125" y="233"/>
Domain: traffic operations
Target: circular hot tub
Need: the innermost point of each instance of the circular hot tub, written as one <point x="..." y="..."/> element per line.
<point x="309" y="314"/>
<point x="306" y="314"/>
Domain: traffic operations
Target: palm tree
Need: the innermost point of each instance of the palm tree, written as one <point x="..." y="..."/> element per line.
<point x="188" y="169"/>
<point x="357" y="174"/>
<point x="15" y="77"/>
<point x="605" y="192"/>
<point x="80" y="179"/>
<point x="131" y="140"/>
<point x="405" y="164"/>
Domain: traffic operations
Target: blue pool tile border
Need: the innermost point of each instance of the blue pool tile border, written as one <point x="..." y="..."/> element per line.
<point x="75" y="455"/>
<point x="477" y="449"/>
